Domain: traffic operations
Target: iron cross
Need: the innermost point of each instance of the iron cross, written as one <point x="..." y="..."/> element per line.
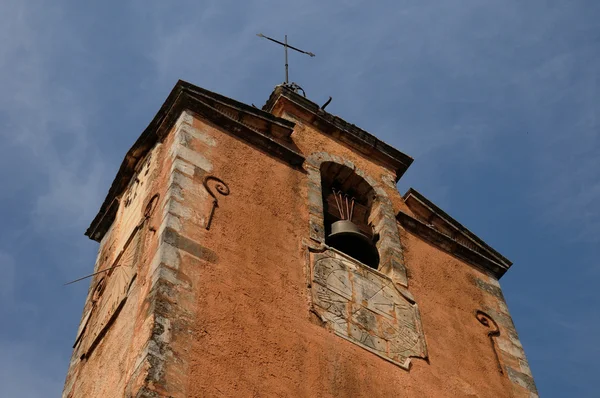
<point x="286" y="45"/>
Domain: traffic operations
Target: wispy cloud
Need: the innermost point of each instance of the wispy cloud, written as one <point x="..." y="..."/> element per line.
<point x="469" y="88"/>
<point x="52" y="181"/>
<point x="44" y="123"/>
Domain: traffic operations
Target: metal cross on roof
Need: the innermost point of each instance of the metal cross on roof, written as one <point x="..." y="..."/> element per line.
<point x="286" y="45"/>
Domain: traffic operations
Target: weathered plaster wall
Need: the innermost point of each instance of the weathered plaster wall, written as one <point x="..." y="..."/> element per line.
<point x="461" y="358"/>
<point x="107" y="370"/>
<point x="252" y="330"/>
<point x="225" y="311"/>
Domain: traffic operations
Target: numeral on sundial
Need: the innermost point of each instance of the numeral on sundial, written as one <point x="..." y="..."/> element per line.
<point x="386" y="306"/>
<point x="367" y="339"/>
<point x="338" y="310"/>
<point x="321" y="274"/>
<point x="339" y="319"/>
<point x="336" y="317"/>
<point x="326" y="297"/>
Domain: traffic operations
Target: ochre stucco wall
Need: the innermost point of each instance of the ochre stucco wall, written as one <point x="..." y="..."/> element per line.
<point x="254" y="330"/>
<point x="233" y="319"/>
<point x="109" y="368"/>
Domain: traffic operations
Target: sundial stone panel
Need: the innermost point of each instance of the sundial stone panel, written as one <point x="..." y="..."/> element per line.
<point x="365" y="307"/>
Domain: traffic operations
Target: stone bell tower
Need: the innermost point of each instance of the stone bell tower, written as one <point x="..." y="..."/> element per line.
<point x="267" y="253"/>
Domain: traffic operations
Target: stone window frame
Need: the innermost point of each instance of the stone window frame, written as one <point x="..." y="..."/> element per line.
<point x="382" y="215"/>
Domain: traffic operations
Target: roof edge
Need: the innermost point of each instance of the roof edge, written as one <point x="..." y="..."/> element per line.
<point x="186" y="96"/>
<point x="460" y="235"/>
<point x="358" y="137"/>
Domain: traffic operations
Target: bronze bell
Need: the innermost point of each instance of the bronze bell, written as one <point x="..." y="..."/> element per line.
<point x="346" y="237"/>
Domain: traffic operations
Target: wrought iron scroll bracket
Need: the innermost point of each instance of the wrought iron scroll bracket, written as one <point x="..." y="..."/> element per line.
<point x="493" y="331"/>
<point x="221" y="188"/>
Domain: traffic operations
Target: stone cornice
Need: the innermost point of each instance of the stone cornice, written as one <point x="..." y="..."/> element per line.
<point x="434" y="225"/>
<point x="259" y="128"/>
<point x="348" y="133"/>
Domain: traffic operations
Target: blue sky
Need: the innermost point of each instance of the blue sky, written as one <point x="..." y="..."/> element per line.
<point x="497" y="101"/>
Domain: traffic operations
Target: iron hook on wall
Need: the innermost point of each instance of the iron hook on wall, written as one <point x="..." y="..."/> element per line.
<point x="494" y="331"/>
<point x="221" y="188"/>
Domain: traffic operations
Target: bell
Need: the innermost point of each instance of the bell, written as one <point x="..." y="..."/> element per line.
<point x="347" y="238"/>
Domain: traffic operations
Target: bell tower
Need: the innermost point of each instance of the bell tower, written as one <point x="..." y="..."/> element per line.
<point x="267" y="252"/>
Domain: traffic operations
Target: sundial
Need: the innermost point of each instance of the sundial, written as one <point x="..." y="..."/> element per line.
<point x="365" y="307"/>
<point x="109" y="295"/>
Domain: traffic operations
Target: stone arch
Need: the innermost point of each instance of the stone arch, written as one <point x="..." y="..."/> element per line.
<point x="381" y="216"/>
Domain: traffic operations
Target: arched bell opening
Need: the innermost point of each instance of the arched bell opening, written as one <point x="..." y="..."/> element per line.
<point x="347" y="203"/>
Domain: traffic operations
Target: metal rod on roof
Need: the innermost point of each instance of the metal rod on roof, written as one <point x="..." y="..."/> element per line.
<point x="286" y="61"/>
<point x="286" y="46"/>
